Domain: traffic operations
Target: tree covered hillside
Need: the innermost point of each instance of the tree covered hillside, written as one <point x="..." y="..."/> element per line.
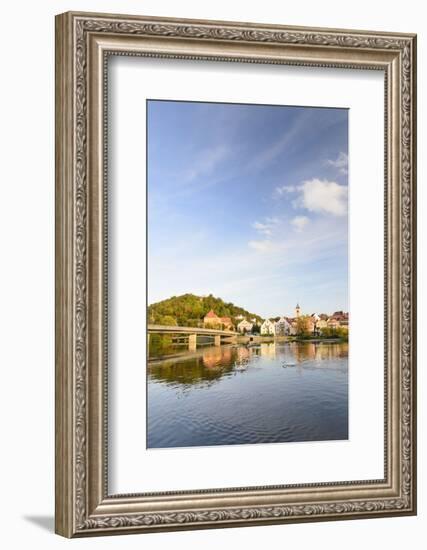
<point x="189" y="310"/>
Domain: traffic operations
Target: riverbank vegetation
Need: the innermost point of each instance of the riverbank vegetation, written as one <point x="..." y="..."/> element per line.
<point x="339" y="334"/>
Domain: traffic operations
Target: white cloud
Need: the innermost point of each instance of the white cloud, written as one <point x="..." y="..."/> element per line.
<point x="266" y="228"/>
<point x="299" y="222"/>
<point x="341" y="163"/>
<point x="315" y="195"/>
<point x="326" y="197"/>
<point x="323" y="196"/>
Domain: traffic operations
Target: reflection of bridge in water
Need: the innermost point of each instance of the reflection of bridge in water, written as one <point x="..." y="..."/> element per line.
<point x="219" y="336"/>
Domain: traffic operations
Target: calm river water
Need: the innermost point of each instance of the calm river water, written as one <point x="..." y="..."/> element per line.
<point x="271" y="392"/>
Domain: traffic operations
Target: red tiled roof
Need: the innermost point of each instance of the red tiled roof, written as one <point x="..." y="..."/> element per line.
<point x="340" y="315"/>
<point x="226" y="319"/>
<point x="211" y="315"/>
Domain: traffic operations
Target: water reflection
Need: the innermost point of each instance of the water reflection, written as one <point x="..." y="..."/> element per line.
<point x="257" y="393"/>
<point x="214" y="362"/>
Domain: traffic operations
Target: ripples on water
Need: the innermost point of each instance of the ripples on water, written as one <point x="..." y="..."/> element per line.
<point x="237" y="395"/>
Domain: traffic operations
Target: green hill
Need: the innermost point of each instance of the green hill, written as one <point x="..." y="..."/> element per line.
<point x="189" y="310"/>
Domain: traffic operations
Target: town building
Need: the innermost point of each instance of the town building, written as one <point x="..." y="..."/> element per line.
<point x="282" y="327"/>
<point x="322" y="324"/>
<point x="212" y="320"/>
<point x="333" y="323"/>
<point x="267" y="328"/>
<point x="227" y="322"/>
<point x="344" y="324"/>
<point x="293" y="326"/>
<point x="312" y="326"/>
<point x="244" y="326"/>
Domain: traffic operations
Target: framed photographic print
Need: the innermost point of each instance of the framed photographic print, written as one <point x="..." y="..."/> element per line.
<point x="235" y="274"/>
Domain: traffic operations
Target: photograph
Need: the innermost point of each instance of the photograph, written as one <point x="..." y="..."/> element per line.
<point x="248" y="317"/>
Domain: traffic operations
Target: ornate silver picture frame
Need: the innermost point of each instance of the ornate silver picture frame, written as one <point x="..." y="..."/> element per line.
<point x="84" y="505"/>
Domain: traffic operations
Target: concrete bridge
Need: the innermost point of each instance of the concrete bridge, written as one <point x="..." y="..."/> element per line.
<point x="219" y="336"/>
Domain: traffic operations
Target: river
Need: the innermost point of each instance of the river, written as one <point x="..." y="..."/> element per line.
<point x="266" y="393"/>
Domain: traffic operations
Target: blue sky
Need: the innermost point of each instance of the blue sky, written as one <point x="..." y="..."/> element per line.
<point x="249" y="203"/>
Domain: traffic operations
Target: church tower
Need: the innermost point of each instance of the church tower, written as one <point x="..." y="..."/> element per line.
<point x="297" y="311"/>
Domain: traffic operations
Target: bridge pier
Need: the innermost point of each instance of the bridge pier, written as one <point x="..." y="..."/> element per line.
<point x="180" y="334"/>
<point x="192" y="342"/>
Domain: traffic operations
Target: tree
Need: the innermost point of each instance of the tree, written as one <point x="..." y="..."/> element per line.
<point x="188" y="307"/>
<point x="303" y="328"/>
<point x="167" y="320"/>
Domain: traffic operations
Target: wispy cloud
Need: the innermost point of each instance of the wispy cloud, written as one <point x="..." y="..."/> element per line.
<point x="266" y="227"/>
<point x="288" y="257"/>
<point x="285" y="189"/>
<point x="206" y="162"/>
<point x="262" y="246"/>
<point x="303" y="240"/>
<point x="299" y="222"/>
<point x="283" y="144"/>
<point x="341" y="163"/>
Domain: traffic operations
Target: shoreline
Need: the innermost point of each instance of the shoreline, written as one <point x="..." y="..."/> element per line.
<point x="288" y="339"/>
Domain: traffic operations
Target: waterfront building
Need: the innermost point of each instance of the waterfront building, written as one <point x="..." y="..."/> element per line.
<point x="282" y="327"/>
<point x="333" y="323"/>
<point x="244" y="326"/>
<point x="311" y="325"/>
<point x="322" y="324"/>
<point x="292" y="325"/>
<point x="267" y="328"/>
<point x="344" y="325"/>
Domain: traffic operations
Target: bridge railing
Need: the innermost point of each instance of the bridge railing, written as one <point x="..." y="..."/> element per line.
<point x="171" y="329"/>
